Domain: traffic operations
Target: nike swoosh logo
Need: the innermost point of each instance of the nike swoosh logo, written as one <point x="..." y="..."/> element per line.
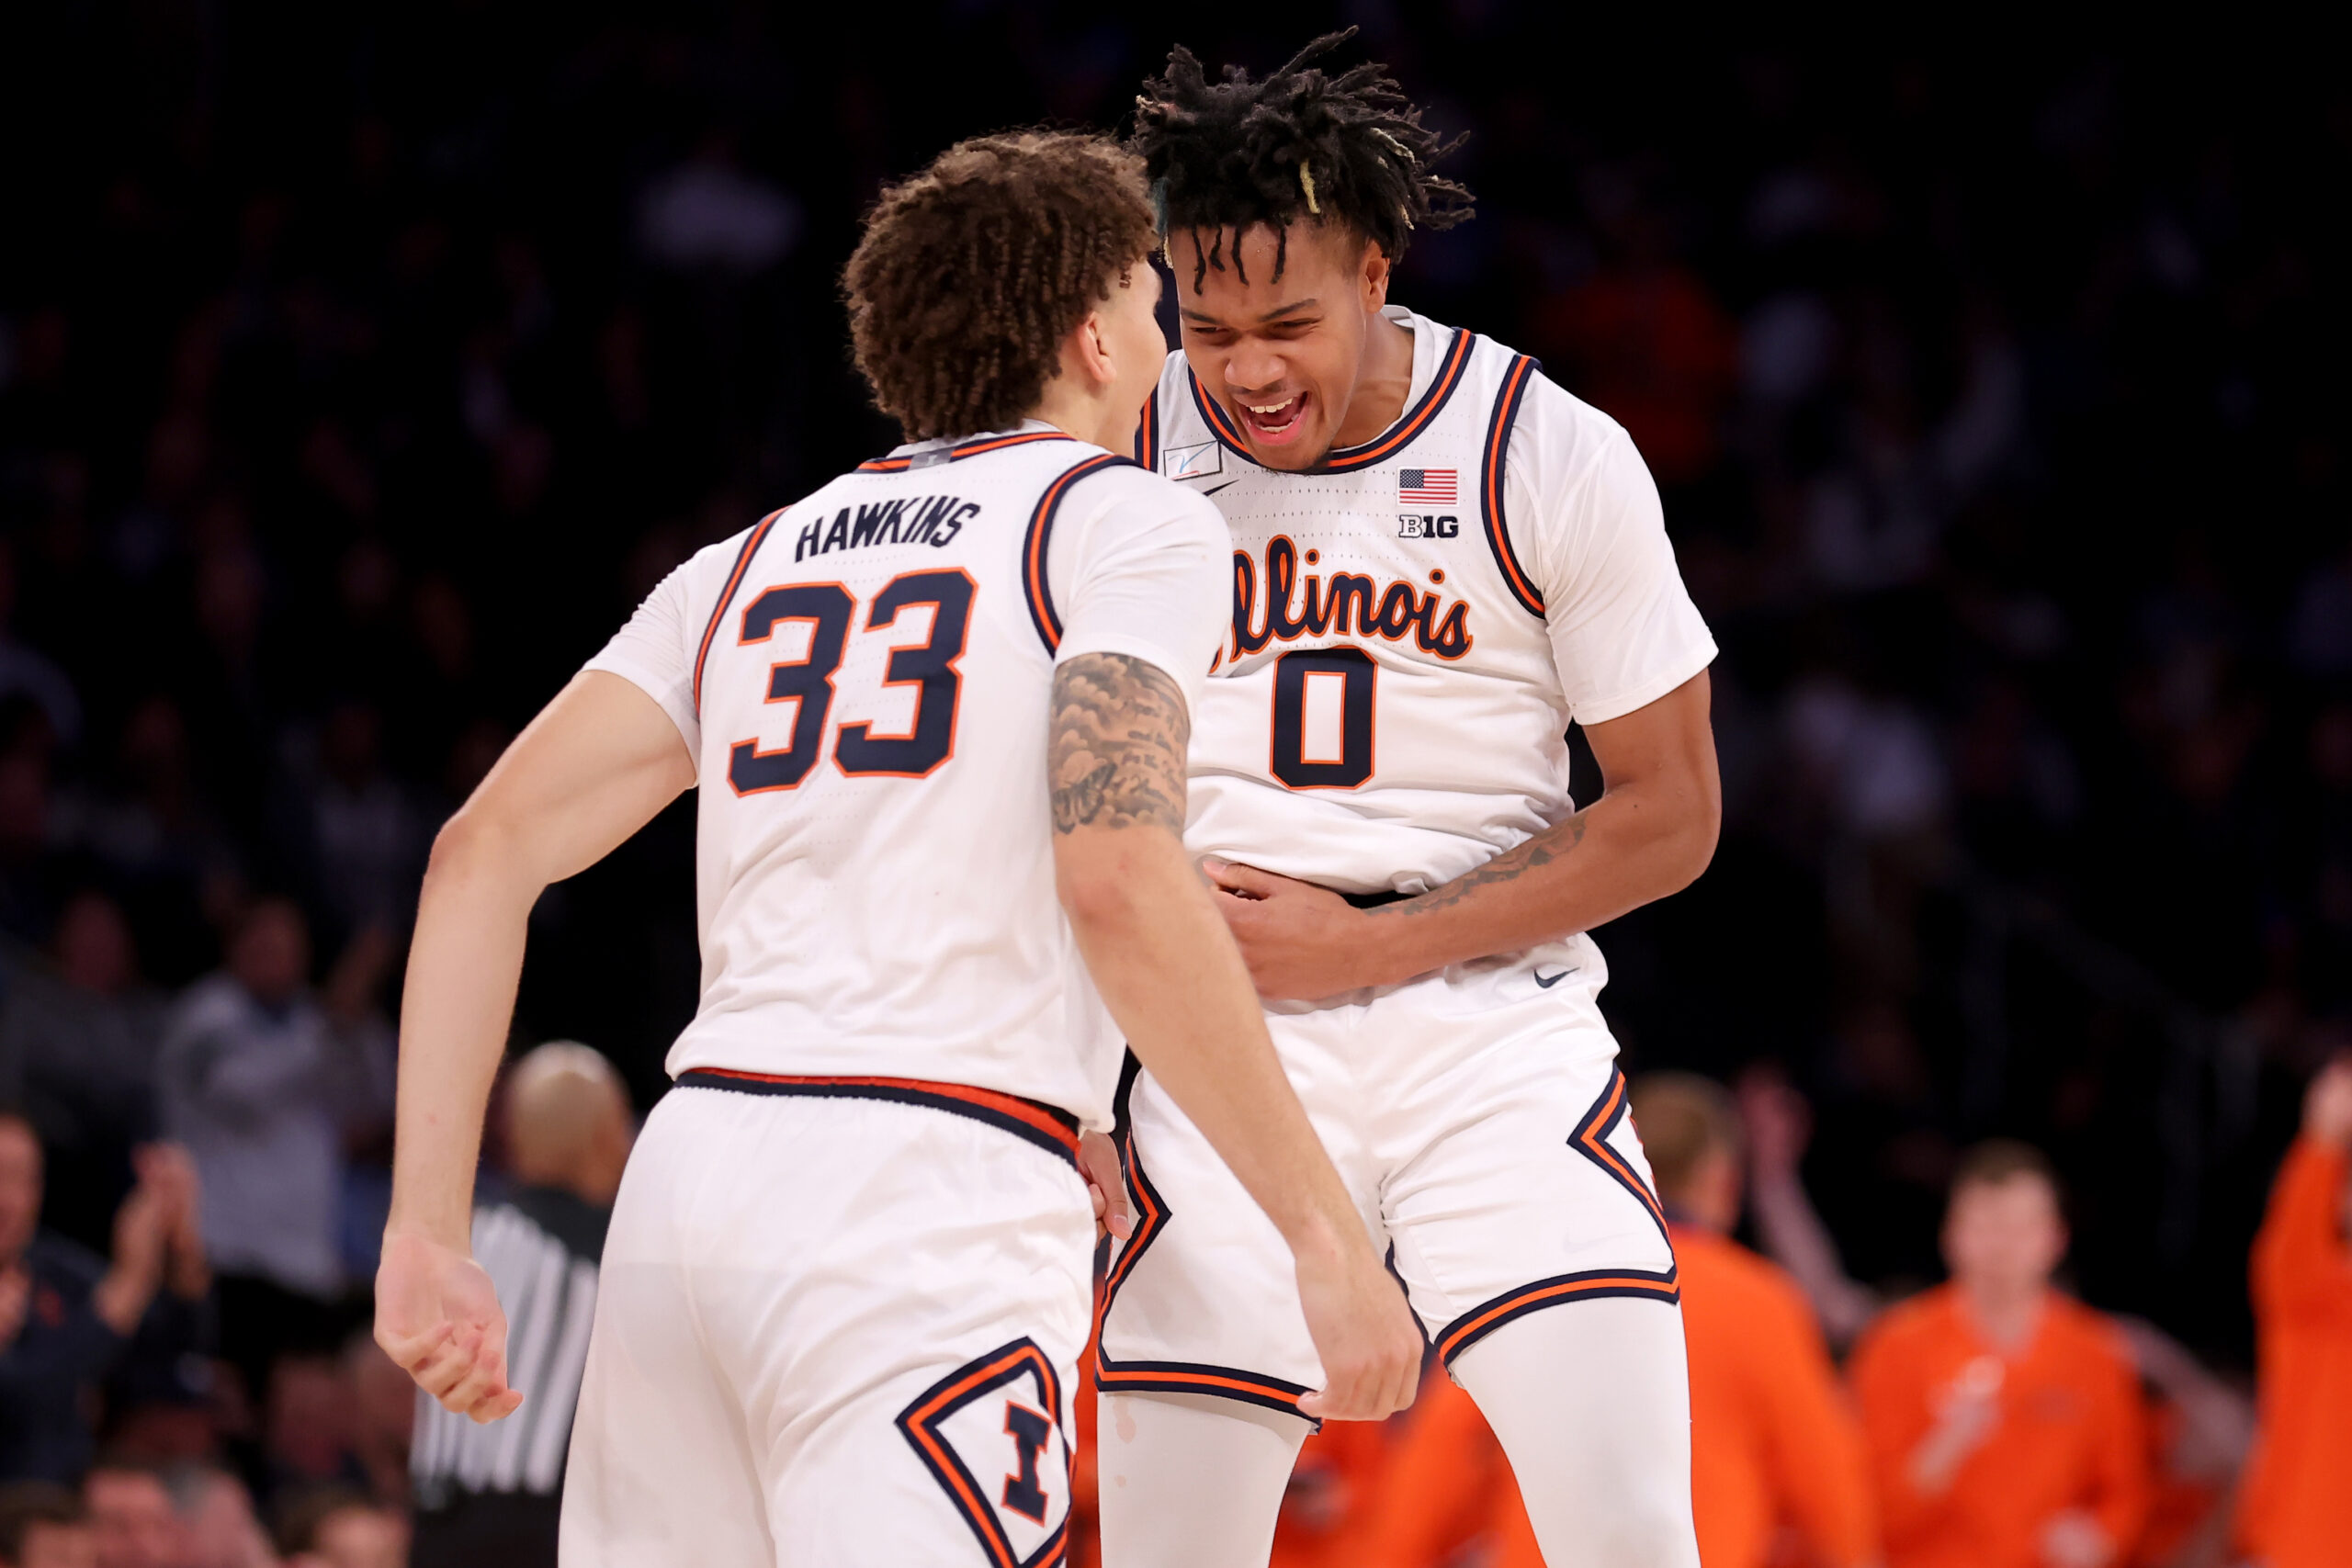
<point x="1550" y="981"/>
<point x="1214" y="488"/>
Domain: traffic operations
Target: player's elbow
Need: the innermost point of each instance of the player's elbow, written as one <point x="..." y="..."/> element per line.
<point x="469" y="842"/>
<point x="1108" y="880"/>
<point x="1696" y="834"/>
<point x="1677" y="827"/>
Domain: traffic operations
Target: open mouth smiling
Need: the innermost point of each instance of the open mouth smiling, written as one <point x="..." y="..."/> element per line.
<point x="1275" y="423"/>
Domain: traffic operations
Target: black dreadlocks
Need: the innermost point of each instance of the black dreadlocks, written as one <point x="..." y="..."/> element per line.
<point x="1236" y="154"/>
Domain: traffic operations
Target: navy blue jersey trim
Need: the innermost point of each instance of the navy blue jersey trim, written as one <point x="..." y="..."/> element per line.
<point x="1039" y="540"/>
<point x="920" y="1421"/>
<point x="1589" y="1284"/>
<point x="1049" y="1126"/>
<point x="1200" y="1377"/>
<point x="956" y="454"/>
<point x="1442" y="384"/>
<point x="1167" y="1377"/>
<point x="1490" y="486"/>
<point x="1147" y="434"/>
<point x="727" y="596"/>
<point x="1591" y="1140"/>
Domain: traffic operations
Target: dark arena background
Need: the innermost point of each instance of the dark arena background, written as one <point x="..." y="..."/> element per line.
<point x="362" y="365"/>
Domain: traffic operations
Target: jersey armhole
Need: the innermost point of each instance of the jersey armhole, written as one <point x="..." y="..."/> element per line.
<point x="1490" y="485"/>
<point x="1039" y="539"/>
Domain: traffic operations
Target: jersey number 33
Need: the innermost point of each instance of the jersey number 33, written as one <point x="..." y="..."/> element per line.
<point x="831" y="610"/>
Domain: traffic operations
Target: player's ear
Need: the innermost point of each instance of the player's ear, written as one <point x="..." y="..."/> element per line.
<point x="1085" y="354"/>
<point x="1090" y="349"/>
<point x="1375" y="271"/>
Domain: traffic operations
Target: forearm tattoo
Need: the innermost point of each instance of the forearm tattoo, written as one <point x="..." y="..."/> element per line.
<point x="1552" y="845"/>
<point x="1114" y="754"/>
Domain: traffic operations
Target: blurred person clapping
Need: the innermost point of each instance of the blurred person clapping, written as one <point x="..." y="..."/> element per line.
<point x="2004" y="1419"/>
<point x="65" y="1315"/>
<point x="263" y="1078"/>
<point x="78" y="1035"/>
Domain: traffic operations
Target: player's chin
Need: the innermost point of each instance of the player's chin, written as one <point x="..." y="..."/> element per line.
<point x="1289" y="456"/>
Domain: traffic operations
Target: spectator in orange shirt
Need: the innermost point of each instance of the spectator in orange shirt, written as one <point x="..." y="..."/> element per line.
<point x="1447" y="1494"/>
<point x="1341" y="1471"/>
<point x="2297" y="1509"/>
<point x="2005" y="1421"/>
<point x="1772" y="1439"/>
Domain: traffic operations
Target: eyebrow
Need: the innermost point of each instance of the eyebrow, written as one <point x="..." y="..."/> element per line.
<point x="1294" y="308"/>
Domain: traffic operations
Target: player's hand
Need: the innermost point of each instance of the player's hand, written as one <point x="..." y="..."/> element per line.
<point x="1300" y="942"/>
<point x="2327" y="1104"/>
<point x="1106" y="1184"/>
<point x="1364" y="1331"/>
<point x="437" y="1316"/>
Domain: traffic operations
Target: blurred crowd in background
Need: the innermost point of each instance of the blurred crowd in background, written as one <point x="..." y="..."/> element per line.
<point x="360" y="369"/>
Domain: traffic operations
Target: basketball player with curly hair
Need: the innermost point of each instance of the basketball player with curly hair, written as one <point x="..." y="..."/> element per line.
<point x="936" y="713"/>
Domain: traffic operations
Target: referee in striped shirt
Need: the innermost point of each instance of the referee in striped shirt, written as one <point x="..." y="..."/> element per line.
<point x="491" y="1496"/>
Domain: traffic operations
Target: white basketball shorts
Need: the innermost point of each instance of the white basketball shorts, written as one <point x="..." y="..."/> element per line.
<point x="838" y="1324"/>
<point x="1478" y="1117"/>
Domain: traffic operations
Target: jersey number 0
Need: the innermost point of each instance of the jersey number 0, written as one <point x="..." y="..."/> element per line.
<point x="1323" y="724"/>
<point x="929" y="665"/>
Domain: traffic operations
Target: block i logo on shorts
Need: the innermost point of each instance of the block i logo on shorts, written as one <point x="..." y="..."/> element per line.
<point x="990" y="1433"/>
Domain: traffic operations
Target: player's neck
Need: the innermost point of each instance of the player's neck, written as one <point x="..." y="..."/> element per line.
<point x="1085" y="414"/>
<point x="1382" y="385"/>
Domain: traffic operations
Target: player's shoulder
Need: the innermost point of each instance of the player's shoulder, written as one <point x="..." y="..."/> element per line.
<point x="1559" y="438"/>
<point x="1123" y="499"/>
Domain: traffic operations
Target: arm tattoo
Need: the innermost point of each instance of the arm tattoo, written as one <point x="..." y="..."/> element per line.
<point x="1553" y="843"/>
<point x="1115" y="756"/>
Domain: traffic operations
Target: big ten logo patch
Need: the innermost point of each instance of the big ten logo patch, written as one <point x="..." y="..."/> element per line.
<point x="1427" y="525"/>
<point x="991" y="1432"/>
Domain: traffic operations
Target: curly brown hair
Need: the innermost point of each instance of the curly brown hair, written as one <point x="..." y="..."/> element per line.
<point x="970" y="275"/>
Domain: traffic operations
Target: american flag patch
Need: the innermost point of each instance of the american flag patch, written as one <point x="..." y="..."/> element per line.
<point x="1426" y="487"/>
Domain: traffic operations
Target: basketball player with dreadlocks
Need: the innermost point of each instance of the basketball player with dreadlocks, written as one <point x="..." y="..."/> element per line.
<point x="1441" y="559"/>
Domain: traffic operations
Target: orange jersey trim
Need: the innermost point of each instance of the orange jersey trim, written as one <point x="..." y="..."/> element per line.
<point x="919" y="1424"/>
<point x="957" y="454"/>
<point x="1049" y="1127"/>
<point x="1039" y="539"/>
<point x="1480" y="1321"/>
<point x="1490" y="486"/>
<point x="1170" y="1377"/>
<point x="1590" y="1139"/>
<point x="727" y="596"/>
<point x="1347" y="459"/>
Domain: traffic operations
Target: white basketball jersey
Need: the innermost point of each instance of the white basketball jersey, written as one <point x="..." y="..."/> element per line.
<point x="863" y="681"/>
<point x="1417" y="620"/>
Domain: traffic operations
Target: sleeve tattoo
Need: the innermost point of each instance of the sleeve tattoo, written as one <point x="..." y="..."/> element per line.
<point x="1114" y="755"/>
<point x="1554" y="843"/>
